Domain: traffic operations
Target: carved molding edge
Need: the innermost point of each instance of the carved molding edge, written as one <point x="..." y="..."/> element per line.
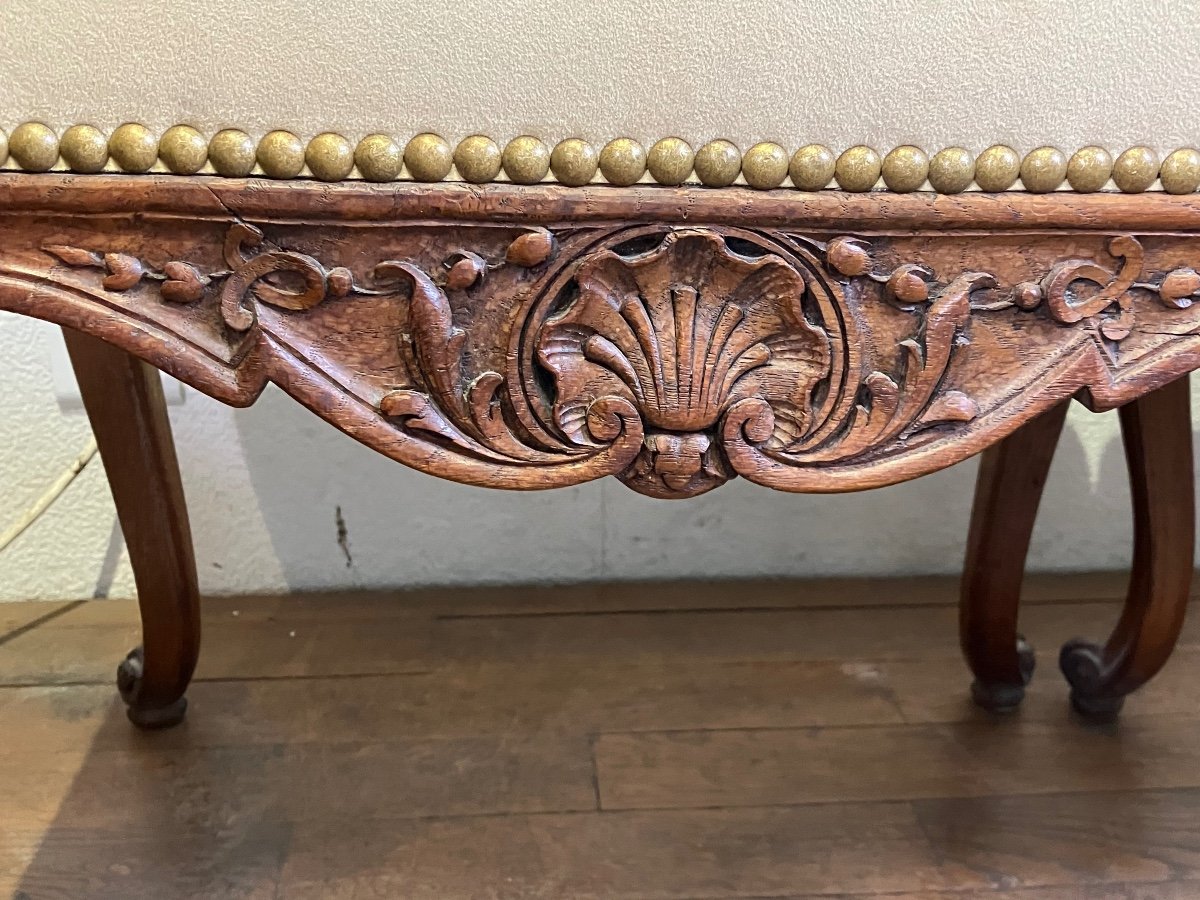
<point x="672" y="355"/>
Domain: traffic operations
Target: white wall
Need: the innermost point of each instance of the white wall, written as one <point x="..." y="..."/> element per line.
<point x="264" y="485"/>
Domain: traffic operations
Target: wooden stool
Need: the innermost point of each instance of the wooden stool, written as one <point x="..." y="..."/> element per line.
<point x="526" y="337"/>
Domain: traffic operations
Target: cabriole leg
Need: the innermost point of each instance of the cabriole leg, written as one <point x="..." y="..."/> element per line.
<point x="1007" y="492"/>
<point x="1157" y="433"/>
<point x="124" y="401"/>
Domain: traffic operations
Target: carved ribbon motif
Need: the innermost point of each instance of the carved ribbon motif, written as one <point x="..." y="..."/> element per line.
<point x="249" y="274"/>
<point x="1111" y="302"/>
<point x="673" y="358"/>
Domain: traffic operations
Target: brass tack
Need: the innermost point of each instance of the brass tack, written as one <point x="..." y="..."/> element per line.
<point x="3" y="147"/>
<point x="133" y="147"/>
<point x="1135" y="170"/>
<point x="379" y="158"/>
<point x="182" y="149"/>
<point x="812" y="167"/>
<point x="231" y="153"/>
<point x="526" y="160"/>
<point x="330" y="157"/>
<point x="1043" y="170"/>
<point x="718" y="163"/>
<point x="428" y="157"/>
<point x="905" y="169"/>
<point x="951" y="170"/>
<point x="280" y="154"/>
<point x="857" y="169"/>
<point x="574" y="162"/>
<point x="1089" y="169"/>
<point x="997" y="168"/>
<point x="765" y="165"/>
<point x="670" y="161"/>
<point x="623" y="161"/>
<point x="34" y="146"/>
<point x="84" y="148"/>
<point x="478" y="159"/>
<point x="1180" y="172"/>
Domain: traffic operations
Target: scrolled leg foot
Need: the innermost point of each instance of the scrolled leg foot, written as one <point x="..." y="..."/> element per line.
<point x="130" y="674"/>
<point x="124" y="402"/>
<point x="1005" y="697"/>
<point x="1007" y="493"/>
<point x="1082" y="664"/>
<point x="1157" y="433"/>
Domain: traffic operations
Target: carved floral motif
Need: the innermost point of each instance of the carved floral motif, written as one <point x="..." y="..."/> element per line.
<point x="249" y="273"/>
<point x="1109" y="301"/>
<point x="676" y="360"/>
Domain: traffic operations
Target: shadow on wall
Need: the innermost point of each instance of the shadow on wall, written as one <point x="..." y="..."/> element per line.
<point x="337" y="514"/>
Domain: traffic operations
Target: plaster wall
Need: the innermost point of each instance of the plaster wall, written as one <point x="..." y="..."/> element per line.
<point x="268" y="485"/>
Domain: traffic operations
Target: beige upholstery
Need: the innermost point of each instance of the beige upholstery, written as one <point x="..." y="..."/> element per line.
<point x="838" y="72"/>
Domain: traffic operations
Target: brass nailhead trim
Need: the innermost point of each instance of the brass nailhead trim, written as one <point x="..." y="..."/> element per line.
<point x="428" y="157"/>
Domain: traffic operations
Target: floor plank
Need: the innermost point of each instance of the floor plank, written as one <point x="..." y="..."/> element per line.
<point x="713" y="636"/>
<point x="935" y="689"/>
<point x="1146" y="836"/>
<point x="593" y="598"/>
<point x="765" y="739"/>
<point x="469" y="701"/>
<point x="733" y="853"/>
<point x="83" y="645"/>
<point x="872" y="849"/>
<point x="79" y="650"/>
<point x="785" y="766"/>
<point x="19" y="616"/>
<point x="1176" y="890"/>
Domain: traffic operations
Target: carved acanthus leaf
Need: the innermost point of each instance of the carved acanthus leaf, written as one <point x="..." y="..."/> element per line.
<point x="675" y="360"/>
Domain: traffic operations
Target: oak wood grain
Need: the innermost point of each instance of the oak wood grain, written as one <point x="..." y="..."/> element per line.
<point x="542" y="204"/>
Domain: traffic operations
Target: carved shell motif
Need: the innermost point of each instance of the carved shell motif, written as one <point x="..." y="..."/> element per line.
<point x="683" y="332"/>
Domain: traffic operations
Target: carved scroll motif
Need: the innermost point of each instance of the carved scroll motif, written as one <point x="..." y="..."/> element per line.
<point x="673" y="358"/>
<point x="706" y="351"/>
<point x="1110" y="302"/>
<point x="248" y="275"/>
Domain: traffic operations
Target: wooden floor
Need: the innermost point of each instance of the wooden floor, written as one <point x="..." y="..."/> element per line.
<point x="759" y="740"/>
